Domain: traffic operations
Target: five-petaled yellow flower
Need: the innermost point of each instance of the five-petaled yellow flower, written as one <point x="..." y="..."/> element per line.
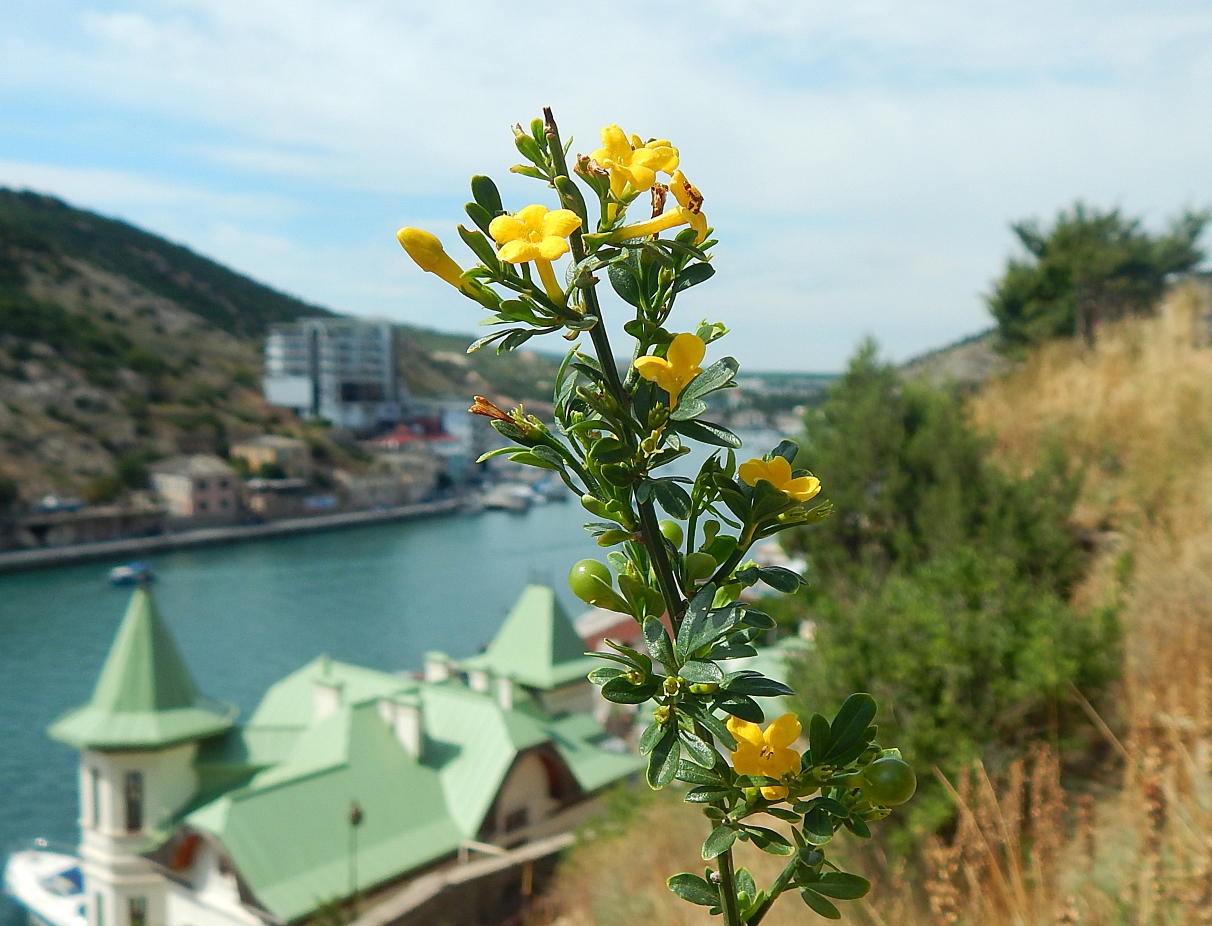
<point x="778" y="473"/>
<point x="633" y="162"/>
<point x="688" y="211"/>
<point x="767" y="753"/>
<point x="677" y="368"/>
<point x="426" y="250"/>
<point x="535" y="234"/>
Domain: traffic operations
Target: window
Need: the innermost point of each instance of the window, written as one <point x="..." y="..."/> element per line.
<point x="224" y="503"/>
<point x="222" y="483"/>
<point x="134" y="802"/>
<point x="138" y="911"/>
<point x="201" y="485"/>
<point x="516" y="819"/>
<point x="202" y="506"/>
<point x="94" y="797"/>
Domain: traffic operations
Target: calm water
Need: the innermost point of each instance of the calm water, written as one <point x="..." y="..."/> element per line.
<point x="248" y="614"/>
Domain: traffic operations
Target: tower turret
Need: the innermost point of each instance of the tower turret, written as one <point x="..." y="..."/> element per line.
<point x="137" y="737"/>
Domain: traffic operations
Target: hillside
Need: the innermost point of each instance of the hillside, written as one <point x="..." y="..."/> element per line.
<point x="118" y="347"/>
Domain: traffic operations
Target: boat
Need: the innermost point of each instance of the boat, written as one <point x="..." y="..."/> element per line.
<point x="49" y="885"/>
<point x="131" y="574"/>
<point x="509" y="496"/>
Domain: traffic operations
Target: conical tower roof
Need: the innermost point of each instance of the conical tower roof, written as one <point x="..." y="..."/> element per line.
<point x="145" y="697"/>
<point x="537" y="645"/>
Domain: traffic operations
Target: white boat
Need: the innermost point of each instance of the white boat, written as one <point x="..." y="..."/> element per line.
<point x="47" y="884"/>
<point x="509" y="496"/>
<point x="131" y="574"/>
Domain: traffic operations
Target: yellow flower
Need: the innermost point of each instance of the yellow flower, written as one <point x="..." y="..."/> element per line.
<point x="778" y="473"/>
<point x="632" y="162"/>
<point x="768" y="753"/>
<point x="535" y="234"/>
<point x="426" y="250"/>
<point x="689" y="211"/>
<point x="677" y="368"/>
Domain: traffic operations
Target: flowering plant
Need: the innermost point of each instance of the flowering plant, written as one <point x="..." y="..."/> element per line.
<point x="681" y="578"/>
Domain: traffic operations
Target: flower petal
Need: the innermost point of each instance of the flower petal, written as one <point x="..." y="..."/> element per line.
<point x="641" y="178"/>
<point x="784" y="761"/>
<point x="747" y="732"/>
<point x="561" y="222"/>
<point x="779" y="472"/>
<point x="803" y="488"/>
<point x="614" y="143"/>
<point x="651" y="368"/>
<point x="774" y="793"/>
<point x="506" y="228"/>
<point x="747" y="760"/>
<point x="753" y="470"/>
<point x="785" y="730"/>
<point x="518" y="252"/>
<point x="686" y="352"/>
<point x="532" y="217"/>
<point x="552" y="248"/>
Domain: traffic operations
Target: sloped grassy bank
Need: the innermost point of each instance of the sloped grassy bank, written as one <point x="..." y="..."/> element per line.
<point x="1040" y="554"/>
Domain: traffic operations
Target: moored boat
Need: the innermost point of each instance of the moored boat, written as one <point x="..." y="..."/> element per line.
<point x="131" y="574"/>
<point x="48" y="885"/>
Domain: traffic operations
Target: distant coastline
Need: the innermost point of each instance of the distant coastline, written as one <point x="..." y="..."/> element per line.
<point x="134" y="546"/>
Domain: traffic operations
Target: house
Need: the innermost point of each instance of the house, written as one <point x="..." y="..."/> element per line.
<point x="190" y="819"/>
<point x="200" y="487"/>
<point x="289" y="455"/>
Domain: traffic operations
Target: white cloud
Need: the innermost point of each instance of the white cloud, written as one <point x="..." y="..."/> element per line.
<point x="861" y="160"/>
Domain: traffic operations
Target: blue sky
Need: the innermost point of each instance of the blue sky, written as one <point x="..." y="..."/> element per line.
<point x="861" y="162"/>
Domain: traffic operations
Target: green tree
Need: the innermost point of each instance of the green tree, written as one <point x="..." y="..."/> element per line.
<point x="941" y="582"/>
<point x="1089" y="267"/>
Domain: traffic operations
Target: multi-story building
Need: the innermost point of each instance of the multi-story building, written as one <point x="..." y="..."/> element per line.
<point x="340" y="369"/>
<point x="200" y="487"/>
<point x="289" y="454"/>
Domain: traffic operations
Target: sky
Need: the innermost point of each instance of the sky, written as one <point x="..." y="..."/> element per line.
<point x="861" y="162"/>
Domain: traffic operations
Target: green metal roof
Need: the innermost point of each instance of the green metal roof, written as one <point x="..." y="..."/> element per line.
<point x="537" y="645"/>
<point x="286" y="828"/>
<point x="145" y="697"/>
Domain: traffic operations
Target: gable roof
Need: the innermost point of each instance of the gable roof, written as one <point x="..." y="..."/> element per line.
<point x="285" y="822"/>
<point x="537" y="645"/>
<point x="145" y="696"/>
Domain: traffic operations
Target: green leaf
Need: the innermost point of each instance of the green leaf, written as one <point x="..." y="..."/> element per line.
<point x="758" y="686"/>
<point x="706" y="432"/>
<point x="850" y="725"/>
<point x="820" y="905"/>
<point x="787" y="449"/>
<point x="649" y="738"/>
<point x="571" y="196"/>
<point x="818" y="826"/>
<point x="841" y="885"/>
<point x="688" y="409"/>
<point x="657" y="641"/>
<point x="769" y="841"/>
<point x="742" y="706"/>
<point x="859" y="827"/>
<point x="604" y="674"/>
<point x="697" y="775"/>
<point x="635" y="657"/>
<point x="692" y="276"/>
<point x="623" y="282"/>
<point x="780" y="579"/>
<point x="720" y="841"/>
<point x="481" y="248"/>
<point x="663" y="761"/>
<point x="714" y="725"/>
<point x="485" y="192"/>
<point x="694" y="889"/>
<point x="478" y="214"/>
<point x="673" y="498"/>
<point x="621" y="691"/>
<point x="716" y="376"/>
<point x="610" y="450"/>
<point x="701" y="672"/>
<point x="698" y="750"/>
<point x="819" y="738"/>
<point x="706" y="794"/>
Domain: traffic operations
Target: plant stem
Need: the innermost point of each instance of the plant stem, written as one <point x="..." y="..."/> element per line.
<point x="732" y="916"/>
<point x="601" y="344"/>
<point x="779" y="885"/>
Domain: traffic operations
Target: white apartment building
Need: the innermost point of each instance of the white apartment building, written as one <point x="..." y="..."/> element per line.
<point x="340" y="369"/>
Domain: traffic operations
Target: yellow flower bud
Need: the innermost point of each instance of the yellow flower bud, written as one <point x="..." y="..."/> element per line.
<point x="427" y="252"/>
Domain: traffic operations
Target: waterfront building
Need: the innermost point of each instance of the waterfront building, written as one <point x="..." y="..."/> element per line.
<point x="289" y="454"/>
<point x="343" y="370"/>
<point x="189" y="819"/>
<point x="200" y="487"/>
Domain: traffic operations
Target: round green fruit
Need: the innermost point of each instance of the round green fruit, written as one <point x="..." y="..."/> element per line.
<point x="698" y="566"/>
<point x="889" y="781"/>
<point x="672" y="531"/>
<point x="587" y="578"/>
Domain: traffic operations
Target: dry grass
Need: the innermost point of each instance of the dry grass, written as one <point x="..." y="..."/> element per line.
<point x="1135" y="408"/>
